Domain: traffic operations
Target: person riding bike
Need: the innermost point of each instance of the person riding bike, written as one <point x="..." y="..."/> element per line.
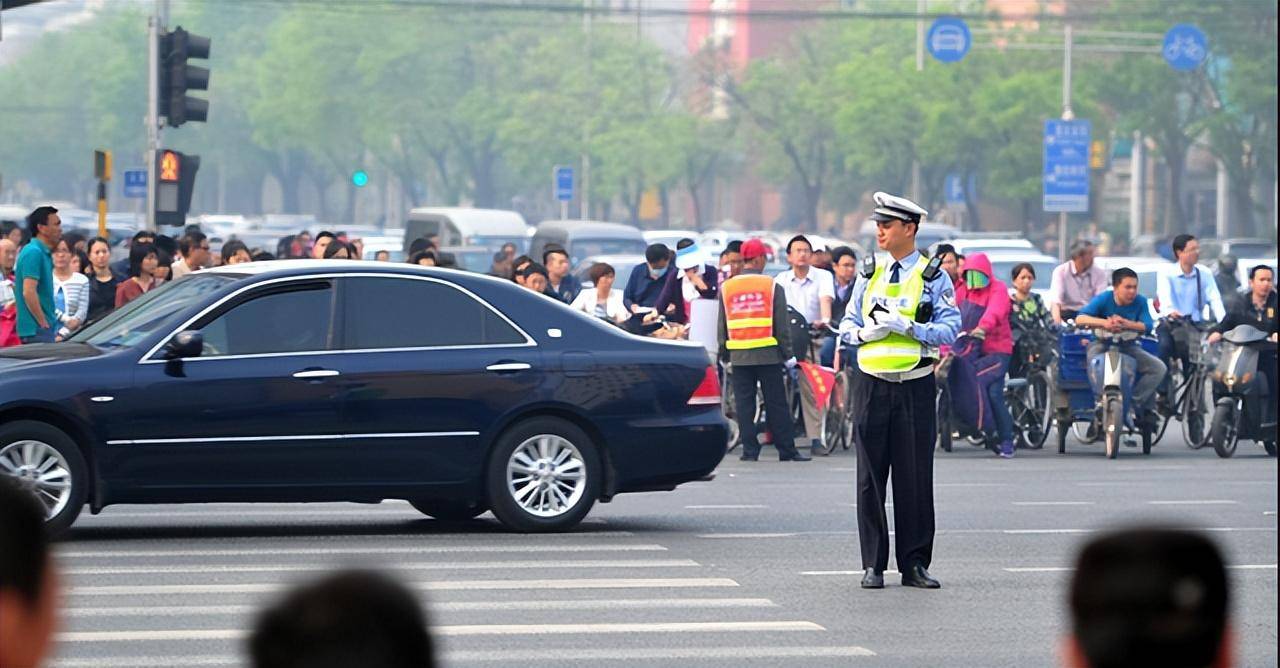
<point x="1258" y="308"/>
<point x="1075" y="282"/>
<point x="1027" y="313"/>
<point x="1122" y="309"/>
<point x="980" y="291"/>
<point x="1185" y="289"/>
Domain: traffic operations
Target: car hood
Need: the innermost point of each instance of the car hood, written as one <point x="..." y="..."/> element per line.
<point x="34" y="354"/>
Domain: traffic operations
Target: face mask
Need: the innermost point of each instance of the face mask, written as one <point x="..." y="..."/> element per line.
<point x="658" y="273"/>
<point x="976" y="280"/>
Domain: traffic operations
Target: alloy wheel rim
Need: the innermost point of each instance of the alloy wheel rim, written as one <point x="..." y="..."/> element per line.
<point x="40" y="469"/>
<point x="546" y="475"/>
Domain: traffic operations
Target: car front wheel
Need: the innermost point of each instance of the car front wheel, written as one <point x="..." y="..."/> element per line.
<point x="544" y="475"/>
<point x="46" y="462"/>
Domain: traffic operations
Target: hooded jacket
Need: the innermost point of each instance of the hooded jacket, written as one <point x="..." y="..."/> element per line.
<point x="995" y="299"/>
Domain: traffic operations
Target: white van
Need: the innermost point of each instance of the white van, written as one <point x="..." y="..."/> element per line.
<point x="458" y="226"/>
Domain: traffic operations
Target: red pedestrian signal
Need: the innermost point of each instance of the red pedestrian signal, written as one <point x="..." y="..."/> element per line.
<point x="170" y="166"/>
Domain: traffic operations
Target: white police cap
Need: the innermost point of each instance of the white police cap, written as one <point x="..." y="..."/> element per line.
<point x="891" y="207"/>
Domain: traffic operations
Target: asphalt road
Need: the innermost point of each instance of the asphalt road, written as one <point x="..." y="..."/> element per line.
<point x="758" y="567"/>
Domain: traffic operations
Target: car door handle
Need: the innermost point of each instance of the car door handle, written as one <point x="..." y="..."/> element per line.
<point x="508" y="367"/>
<point x="316" y="373"/>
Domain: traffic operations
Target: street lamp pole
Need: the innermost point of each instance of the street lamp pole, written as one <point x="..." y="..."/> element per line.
<point x="1067" y="115"/>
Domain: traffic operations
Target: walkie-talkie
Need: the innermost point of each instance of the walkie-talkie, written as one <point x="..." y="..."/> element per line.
<point x="924" y="310"/>
<point x="868" y="265"/>
<point x="931" y="270"/>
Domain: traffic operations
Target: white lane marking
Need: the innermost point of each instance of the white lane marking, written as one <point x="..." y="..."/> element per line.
<point x="467" y="630"/>
<point x="446" y="606"/>
<point x="1193" y="502"/>
<point x="842" y="572"/>
<point x="320" y="551"/>
<point x="449" y="585"/>
<point x="1268" y="512"/>
<point x="406" y="566"/>
<point x="747" y="535"/>
<point x="728" y="506"/>
<point x="1014" y="532"/>
<point x="595" y="655"/>
<point x="1054" y="503"/>
<point x="1065" y="569"/>
<point x="972" y="484"/>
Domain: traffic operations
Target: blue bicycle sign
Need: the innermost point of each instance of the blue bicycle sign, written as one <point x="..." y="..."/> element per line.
<point x="1185" y="47"/>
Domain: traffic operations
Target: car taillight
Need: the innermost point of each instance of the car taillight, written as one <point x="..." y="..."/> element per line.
<point x="708" y="391"/>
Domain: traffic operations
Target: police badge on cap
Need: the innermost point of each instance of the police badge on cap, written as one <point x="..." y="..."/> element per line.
<point x="891" y="207"/>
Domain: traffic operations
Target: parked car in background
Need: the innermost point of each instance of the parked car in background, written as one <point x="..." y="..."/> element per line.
<point x="295" y="385"/>
<point x="669" y="238"/>
<point x="1147" y="268"/>
<point x="1003" y="262"/>
<point x="622" y="267"/>
<point x="1239" y="247"/>
<point x="968" y="243"/>
<point x="459" y="226"/>
<point x="929" y="234"/>
<point x="585" y="238"/>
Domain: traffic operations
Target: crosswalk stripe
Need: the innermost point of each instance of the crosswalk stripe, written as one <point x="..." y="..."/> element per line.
<point x="468" y="630"/>
<point x="445" y="585"/>
<point x="596" y="655"/>
<point x="444" y="606"/>
<point x="402" y="566"/>
<point x="320" y="551"/>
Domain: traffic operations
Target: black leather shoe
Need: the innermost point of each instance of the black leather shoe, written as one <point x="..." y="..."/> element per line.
<point x="798" y="457"/>
<point x="918" y="576"/>
<point x="749" y="458"/>
<point x="872" y="579"/>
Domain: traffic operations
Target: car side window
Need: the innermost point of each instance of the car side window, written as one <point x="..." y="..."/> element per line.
<point x="284" y="319"/>
<point x="409" y="313"/>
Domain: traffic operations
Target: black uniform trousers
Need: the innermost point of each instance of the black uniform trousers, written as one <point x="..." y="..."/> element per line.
<point x="777" y="408"/>
<point x="895" y="434"/>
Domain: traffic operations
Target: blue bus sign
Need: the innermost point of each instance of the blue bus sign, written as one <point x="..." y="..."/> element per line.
<point x="1066" y="166"/>
<point x="564" y="183"/>
<point x="135" y="183"/>
<point x="949" y="39"/>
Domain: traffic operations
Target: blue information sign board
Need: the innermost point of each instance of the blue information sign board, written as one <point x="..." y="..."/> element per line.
<point x="949" y="39"/>
<point x="1066" y="166"/>
<point x="564" y="183"/>
<point x="135" y="183"/>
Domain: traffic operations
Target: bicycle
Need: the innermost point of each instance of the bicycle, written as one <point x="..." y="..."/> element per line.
<point x="837" y="419"/>
<point x="1029" y="397"/>
<point x="1191" y="402"/>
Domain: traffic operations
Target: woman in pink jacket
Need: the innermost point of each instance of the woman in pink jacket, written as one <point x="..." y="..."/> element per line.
<point x="980" y="289"/>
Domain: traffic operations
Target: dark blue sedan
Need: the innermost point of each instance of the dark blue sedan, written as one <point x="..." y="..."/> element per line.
<point x="356" y="381"/>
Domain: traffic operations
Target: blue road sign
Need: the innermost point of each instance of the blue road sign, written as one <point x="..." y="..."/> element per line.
<point x="135" y="183"/>
<point x="954" y="188"/>
<point x="1185" y="47"/>
<point x="948" y="39"/>
<point x="1066" y="166"/>
<point x="564" y="183"/>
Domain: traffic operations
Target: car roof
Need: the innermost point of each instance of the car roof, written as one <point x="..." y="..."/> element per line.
<point x="494" y="222"/>
<point x="578" y="227"/>
<point x="1115" y="261"/>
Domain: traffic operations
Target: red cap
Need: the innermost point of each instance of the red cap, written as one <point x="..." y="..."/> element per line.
<point x="753" y="248"/>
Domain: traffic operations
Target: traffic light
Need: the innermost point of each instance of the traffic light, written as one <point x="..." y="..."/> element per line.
<point x="177" y="78"/>
<point x="102" y="165"/>
<point x="175" y="181"/>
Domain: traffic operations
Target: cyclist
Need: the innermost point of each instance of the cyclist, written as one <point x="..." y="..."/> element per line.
<point x="1184" y="290"/>
<point x="979" y="291"/>
<point x="1122" y="309"/>
<point x="1076" y="281"/>
<point x="1027" y="312"/>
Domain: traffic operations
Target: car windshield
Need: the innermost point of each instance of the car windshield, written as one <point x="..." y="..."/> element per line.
<point x="581" y="248"/>
<point x="153" y="311"/>
<point x="1251" y="249"/>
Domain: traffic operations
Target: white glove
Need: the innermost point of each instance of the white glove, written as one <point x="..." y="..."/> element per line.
<point x="895" y="321"/>
<point x="790" y="363"/>
<point x="870" y="333"/>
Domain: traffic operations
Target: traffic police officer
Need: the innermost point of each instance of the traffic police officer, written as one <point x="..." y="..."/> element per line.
<point x="902" y="308"/>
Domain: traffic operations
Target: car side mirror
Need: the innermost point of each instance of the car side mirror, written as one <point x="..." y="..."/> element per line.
<point x="187" y="343"/>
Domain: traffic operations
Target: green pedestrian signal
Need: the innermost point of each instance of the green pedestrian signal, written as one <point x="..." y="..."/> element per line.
<point x="360" y="178"/>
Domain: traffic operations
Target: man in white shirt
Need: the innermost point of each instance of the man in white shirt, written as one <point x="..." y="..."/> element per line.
<point x="1185" y="289"/>
<point x="195" y="254"/>
<point x="810" y="291"/>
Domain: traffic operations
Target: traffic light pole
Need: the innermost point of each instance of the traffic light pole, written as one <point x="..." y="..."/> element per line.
<point x="152" y="121"/>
